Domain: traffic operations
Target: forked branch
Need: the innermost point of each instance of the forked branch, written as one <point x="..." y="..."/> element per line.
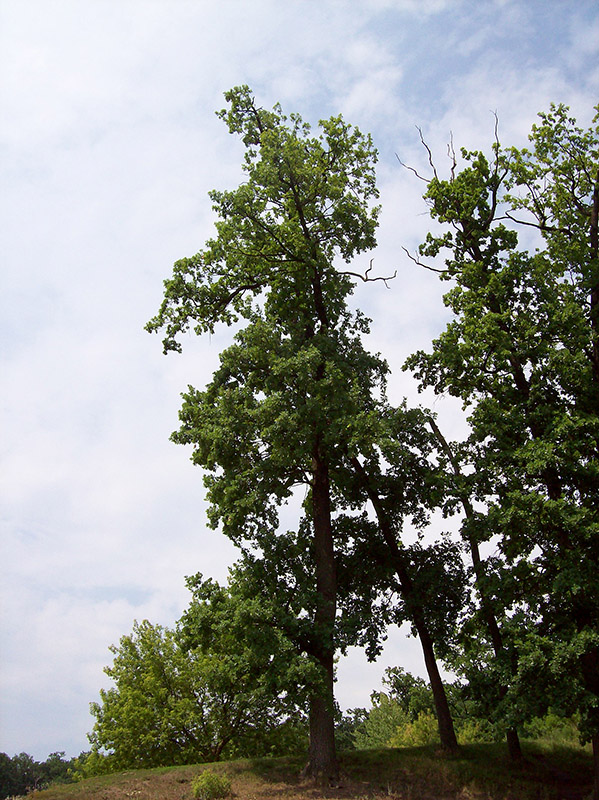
<point x="365" y="277"/>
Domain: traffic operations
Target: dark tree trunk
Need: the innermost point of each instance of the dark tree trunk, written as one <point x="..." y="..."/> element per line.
<point x="513" y="744"/>
<point x="415" y="611"/>
<point x="323" y="757"/>
<point x="511" y="735"/>
<point x="447" y="735"/>
<point x="595" y="741"/>
<point x="322" y="764"/>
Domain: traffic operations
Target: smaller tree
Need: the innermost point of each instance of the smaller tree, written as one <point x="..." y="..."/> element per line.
<point x="173" y="703"/>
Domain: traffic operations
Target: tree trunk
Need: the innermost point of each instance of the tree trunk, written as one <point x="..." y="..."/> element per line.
<point x="323" y="757"/>
<point x="511" y="735"/>
<point x="595" y="741"/>
<point x="513" y="744"/>
<point x="322" y="764"/>
<point x="414" y="608"/>
<point x="447" y="735"/>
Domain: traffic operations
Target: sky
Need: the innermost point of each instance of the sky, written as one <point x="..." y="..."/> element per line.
<point x="109" y="145"/>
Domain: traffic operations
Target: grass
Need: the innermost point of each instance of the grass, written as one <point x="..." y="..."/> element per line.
<point x="479" y="772"/>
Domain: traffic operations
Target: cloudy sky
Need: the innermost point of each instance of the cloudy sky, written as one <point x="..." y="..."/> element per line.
<point x="109" y="145"/>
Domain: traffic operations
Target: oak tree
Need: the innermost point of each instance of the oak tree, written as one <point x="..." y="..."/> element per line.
<point x="523" y="354"/>
<point x="275" y="416"/>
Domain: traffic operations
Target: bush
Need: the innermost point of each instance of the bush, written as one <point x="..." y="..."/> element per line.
<point x="381" y="723"/>
<point x="210" y="786"/>
<point x="422" y="730"/>
<point x="471" y="731"/>
<point x="553" y="727"/>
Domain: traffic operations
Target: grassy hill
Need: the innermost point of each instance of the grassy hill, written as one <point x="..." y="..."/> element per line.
<point x="480" y="772"/>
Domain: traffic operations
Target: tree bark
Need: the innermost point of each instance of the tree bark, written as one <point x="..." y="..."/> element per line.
<point x="322" y="753"/>
<point x="322" y="764"/>
<point x="595" y="741"/>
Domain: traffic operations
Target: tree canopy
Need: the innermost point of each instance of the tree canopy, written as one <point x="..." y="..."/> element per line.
<point x="298" y="402"/>
<point x="521" y="353"/>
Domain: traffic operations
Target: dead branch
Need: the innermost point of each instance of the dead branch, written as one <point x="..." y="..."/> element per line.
<point x="428" y="150"/>
<point x="452" y="156"/>
<point x="420" y="264"/>
<point x="416" y="173"/>
<point x="365" y="277"/>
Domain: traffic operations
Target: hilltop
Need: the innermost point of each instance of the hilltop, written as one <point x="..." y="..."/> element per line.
<point x="480" y="772"/>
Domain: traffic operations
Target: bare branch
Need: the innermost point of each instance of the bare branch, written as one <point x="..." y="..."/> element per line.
<point x="365" y="277"/>
<point x="420" y="264"/>
<point x="451" y="154"/>
<point x="539" y="225"/>
<point x="496" y="129"/>
<point x="428" y="150"/>
<point x="416" y="173"/>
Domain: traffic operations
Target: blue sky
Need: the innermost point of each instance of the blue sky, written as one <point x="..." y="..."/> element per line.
<point x="108" y="145"/>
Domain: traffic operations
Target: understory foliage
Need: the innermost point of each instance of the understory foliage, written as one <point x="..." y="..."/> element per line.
<point x="298" y="407"/>
<point x="403" y="716"/>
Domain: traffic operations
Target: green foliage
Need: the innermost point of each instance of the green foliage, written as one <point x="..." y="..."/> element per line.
<point x="383" y="720"/>
<point x="411" y="693"/>
<point x="403" y="717"/>
<point x="210" y="786"/>
<point x="174" y="703"/>
<point x="553" y="727"/>
<point x="416" y="732"/>
<point x="296" y="389"/>
<point x="298" y="402"/>
<point x="472" y="731"/>
<point x="346" y="727"/>
<point x="305" y="201"/>
<point x="91" y="763"/>
<point x="522" y="352"/>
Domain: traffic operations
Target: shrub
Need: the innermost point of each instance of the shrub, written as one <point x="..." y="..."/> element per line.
<point x="423" y="730"/>
<point x="210" y="786"/>
<point x="470" y="731"/>
<point x="553" y="727"/>
<point x="383" y="719"/>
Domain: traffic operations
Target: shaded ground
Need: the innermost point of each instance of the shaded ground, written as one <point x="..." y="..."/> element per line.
<point x="481" y="772"/>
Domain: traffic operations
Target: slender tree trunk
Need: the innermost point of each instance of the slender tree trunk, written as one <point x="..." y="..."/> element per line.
<point x="323" y="756"/>
<point x="511" y="734"/>
<point x="447" y="735"/>
<point x="594" y="254"/>
<point x="444" y="719"/>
